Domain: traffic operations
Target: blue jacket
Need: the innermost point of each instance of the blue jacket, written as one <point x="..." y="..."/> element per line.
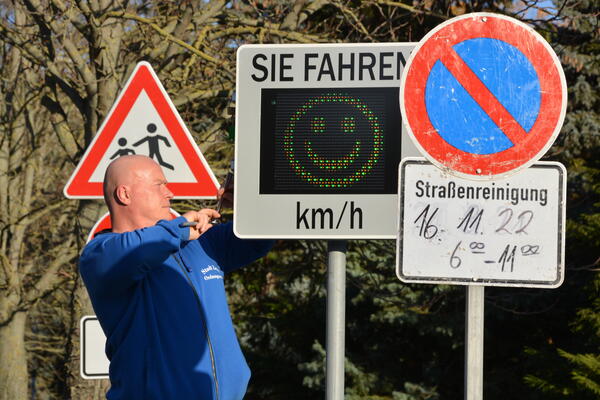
<point x="161" y="302"/>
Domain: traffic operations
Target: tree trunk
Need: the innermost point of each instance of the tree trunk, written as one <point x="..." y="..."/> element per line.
<point x="13" y="359"/>
<point x="79" y="388"/>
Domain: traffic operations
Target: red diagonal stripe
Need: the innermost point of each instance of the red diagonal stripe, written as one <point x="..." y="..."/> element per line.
<point x="482" y="95"/>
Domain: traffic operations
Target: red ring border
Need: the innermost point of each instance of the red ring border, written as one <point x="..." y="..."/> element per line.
<point x="552" y="86"/>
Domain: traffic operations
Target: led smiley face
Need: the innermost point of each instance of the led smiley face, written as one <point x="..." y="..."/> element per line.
<point x="333" y="141"/>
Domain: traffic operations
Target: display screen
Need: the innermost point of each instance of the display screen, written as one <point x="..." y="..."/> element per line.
<point x="330" y="141"/>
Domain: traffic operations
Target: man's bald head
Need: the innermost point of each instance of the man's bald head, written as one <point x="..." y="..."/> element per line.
<point x="123" y="171"/>
<point x="135" y="189"/>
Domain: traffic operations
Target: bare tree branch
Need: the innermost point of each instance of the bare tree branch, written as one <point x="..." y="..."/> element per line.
<point x="74" y="54"/>
<point x="412" y="9"/>
<point x="165" y="34"/>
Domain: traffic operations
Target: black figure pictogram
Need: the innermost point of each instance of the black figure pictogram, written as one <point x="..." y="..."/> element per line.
<point x="153" y="145"/>
<point x="122" y="151"/>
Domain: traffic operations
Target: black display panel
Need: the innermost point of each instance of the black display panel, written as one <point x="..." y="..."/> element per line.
<point x="330" y="141"/>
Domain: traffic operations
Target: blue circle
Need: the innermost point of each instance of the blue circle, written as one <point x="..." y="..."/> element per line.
<point x="509" y="76"/>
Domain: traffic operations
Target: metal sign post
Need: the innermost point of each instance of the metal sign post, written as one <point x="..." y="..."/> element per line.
<point x="474" y="343"/>
<point x="336" y="318"/>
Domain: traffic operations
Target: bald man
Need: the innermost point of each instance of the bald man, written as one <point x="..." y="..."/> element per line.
<point x="157" y="289"/>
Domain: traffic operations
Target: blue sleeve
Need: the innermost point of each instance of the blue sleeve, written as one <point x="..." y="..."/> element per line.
<point x="116" y="261"/>
<point x="231" y="252"/>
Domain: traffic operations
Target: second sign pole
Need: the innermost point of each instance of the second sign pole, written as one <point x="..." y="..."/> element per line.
<point x="336" y="318"/>
<point x="474" y="343"/>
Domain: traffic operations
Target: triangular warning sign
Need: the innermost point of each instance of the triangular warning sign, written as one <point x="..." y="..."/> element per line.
<point x="144" y="121"/>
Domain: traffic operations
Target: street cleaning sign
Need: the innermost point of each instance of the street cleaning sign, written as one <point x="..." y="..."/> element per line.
<point x="506" y="232"/>
<point x="483" y="96"/>
<point x="319" y="139"/>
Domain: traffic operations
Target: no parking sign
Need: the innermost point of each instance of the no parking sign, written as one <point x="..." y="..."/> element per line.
<point x="483" y="96"/>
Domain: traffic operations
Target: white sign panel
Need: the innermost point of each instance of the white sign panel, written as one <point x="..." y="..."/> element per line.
<point x="93" y="363"/>
<point x="319" y="138"/>
<point x="509" y="232"/>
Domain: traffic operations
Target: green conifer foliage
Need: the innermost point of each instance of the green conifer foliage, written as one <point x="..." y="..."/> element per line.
<point x="567" y="364"/>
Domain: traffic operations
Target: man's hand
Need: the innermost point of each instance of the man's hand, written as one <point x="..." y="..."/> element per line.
<point x="202" y="219"/>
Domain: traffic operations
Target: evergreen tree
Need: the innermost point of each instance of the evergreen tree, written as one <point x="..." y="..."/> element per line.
<point x="570" y="368"/>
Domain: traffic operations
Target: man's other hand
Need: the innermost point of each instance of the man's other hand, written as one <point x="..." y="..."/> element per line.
<point x="202" y="219"/>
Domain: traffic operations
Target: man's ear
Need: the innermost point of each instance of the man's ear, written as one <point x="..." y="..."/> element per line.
<point x="123" y="195"/>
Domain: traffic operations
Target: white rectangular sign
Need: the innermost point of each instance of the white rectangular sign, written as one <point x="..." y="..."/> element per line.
<point x="319" y="138"/>
<point x="93" y="361"/>
<point x="508" y="232"/>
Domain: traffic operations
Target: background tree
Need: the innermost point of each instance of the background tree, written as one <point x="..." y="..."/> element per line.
<point x="567" y="363"/>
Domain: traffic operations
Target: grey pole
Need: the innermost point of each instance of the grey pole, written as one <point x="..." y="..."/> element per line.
<point x="474" y="343"/>
<point x="336" y="318"/>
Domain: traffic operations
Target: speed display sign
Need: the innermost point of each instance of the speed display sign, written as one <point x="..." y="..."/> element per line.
<point x="319" y="139"/>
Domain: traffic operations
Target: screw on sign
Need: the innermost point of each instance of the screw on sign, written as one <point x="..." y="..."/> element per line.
<point x="483" y="96"/>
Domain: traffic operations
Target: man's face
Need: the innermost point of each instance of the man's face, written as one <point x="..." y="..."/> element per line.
<point x="150" y="197"/>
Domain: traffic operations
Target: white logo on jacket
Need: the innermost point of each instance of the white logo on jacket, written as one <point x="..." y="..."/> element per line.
<point x="211" y="268"/>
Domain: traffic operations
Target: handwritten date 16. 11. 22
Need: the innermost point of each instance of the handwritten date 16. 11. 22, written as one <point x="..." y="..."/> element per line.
<point x="508" y="222"/>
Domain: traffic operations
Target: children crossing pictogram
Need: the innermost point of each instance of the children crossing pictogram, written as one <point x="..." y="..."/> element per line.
<point x="123" y="151"/>
<point x="154" y="145"/>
